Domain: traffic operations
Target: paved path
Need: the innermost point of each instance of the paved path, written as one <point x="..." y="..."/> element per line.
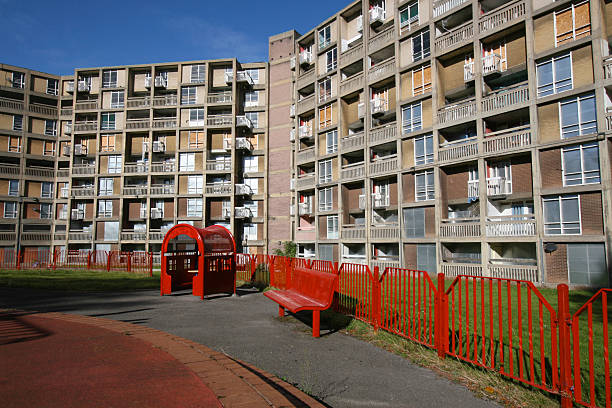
<point x="339" y="370"/>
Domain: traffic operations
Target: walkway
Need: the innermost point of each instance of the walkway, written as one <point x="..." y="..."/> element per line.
<point x="339" y="370"/>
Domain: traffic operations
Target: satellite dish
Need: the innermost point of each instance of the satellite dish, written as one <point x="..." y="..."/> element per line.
<point x="549" y="248"/>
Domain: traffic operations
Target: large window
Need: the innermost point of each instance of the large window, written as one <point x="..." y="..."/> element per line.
<point x="187" y="162"/>
<point x="411" y="117"/>
<point x="195" y="184"/>
<point x="331" y="59"/>
<point x="18" y="80"/>
<point x="424" y="185"/>
<point x="109" y="79"/>
<point x="251" y="98"/>
<point x="409" y="16"/>
<point x="114" y="164"/>
<point x="17" y="122"/>
<point x="196" y="117"/>
<point x="325" y="171"/>
<point x="253" y="117"/>
<point x="326" y="199"/>
<point x="581" y="164"/>
<point x="332" y="227"/>
<point x="195" y="139"/>
<point x="50" y="127"/>
<point x="421" y="80"/>
<point x="586" y="264"/>
<point x="423" y="150"/>
<point x="105" y="208"/>
<point x="198" y="73"/>
<point x="189" y="95"/>
<point x="107" y="143"/>
<point x="414" y="222"/>
<point x="555" y="75"/>
<point x="325" y="90"/>
<point x="420" y="46"/>
<point x="117" y="99"/>
<point x="250" y="232"/>
<point x="578" y="116"/>
<point x="13" y="190"/>
<point x="194" y="207"/>
<point x="250" y="164"/>
<point x="10" y="209"/>
<point x="253" y="184"/>
<point x="48" y="148"/>
<point x="572" y="23"/>
<point x="254" y="74"/>
<point x="325" y="116"/>
<point x="46" y="189"/>
<point x="331" y="142"/>
<point x="52" y="86"/>
<point x="45" y="211"/>
<point x="108" y="121"/>
<point x="106" y="187"/>
<point x="426" y="258"/>
<point x="324" y="37"/>
<point x="562" y="215"/>
<point x="111" y="231"/>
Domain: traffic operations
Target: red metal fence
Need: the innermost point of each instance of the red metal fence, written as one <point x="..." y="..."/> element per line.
<point x="503" y="325"/>
<point x="34" y="258"/>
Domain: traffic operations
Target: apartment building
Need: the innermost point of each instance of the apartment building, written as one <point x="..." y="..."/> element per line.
<point x="461" y="136"/>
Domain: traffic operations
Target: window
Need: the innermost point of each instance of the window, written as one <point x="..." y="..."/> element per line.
<point x="114" y="164"/>
<point x="117" y="99"/>
<point x="572" y="23"/>
<point x="48" y="148"/>
<point x="13" y="188"/>
<point x="45" y="211"/>
<point x="423" y="150"/>
<point x="332" y="227"/>
<point x="14" y="144"/>
<point x="426" y="258"/>
<point x="581" y="164"/>
<point x="252" y="206"/>
<point x="17" y="122"/>
<point x="325" y="90"/>
<point x="111" y="231"/>
<point x="46" y="190"/>
<point x="499" y="178"/>
<point x="473" y="184"/>
<point x="105" y="208"/>
<point x="18" y="80"/>
<point x="414" y="222"/>
<point x="409" y="16"/>
<point x="555" y="75"/>
<point x="52" y="86"/>
<point x="578" y="116"/>
<point x="421" y="80"/>
<point x="196" y="117"/>
<point x="253" y="184"/>
<point x="198" y="73"/>
<point x="380" y="101"/>
<point x="331" y="142"/>
<point x="251" y="98"/>
<point x="325" y="116"/>
<point x="194" y="207"/>
<point x="253" y="117"/>
<point x="411" y="117"/>
<point x="326" y="252"/>
<point x="325" y="199"/>
<point x="195" y="139"/>
<point x="250" y="164"/>
<point x="324" y="37"/>
<point x="325" y="171"/>
<point x="254" y="74"/>
<point x="420" y="46"/>
<point x="109" y="79"/>
<point x="586" y="264"/>
<point x="107" y="143"/>
<point x="50" y="127"/>
<point x="10" y="209"/>
<point x="331" y="59"/>
<point x="195" y="184"/>
<point x="108" y="121"/>
<point x="562" y="215"/>
<point x="106" y="187"/>
<point x="424" y="185"/>
<point x="250" y="232"/>
<point x="187" y="162"/>
<point x="189" y="95"/>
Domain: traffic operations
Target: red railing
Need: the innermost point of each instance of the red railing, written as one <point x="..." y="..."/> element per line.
<point x="356" y="291"/>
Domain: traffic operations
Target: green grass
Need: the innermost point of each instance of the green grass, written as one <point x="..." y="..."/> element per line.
<point x="78" y="280"/>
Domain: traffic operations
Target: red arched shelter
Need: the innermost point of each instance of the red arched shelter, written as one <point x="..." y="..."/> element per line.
<point x="200" y="258"/>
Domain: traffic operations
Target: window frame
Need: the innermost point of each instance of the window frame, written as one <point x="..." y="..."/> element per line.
<point x="428" y="190"/>
<point x="195" y="139"/>
<point x="574" y="35"/>
<point x="424" y="52"/>
<point x="117" y="99"/>
<point x="415" y="123"/>
<point x="195" y="184"/>
<point x="331" y="148"/>
<point x="18" y="122"/>
<point x="200" y="74"/>
<point x="116" y="167"/>
<point x="582" y="127"/>
<point x="583" y="178"/>
<point x="187" y="161"/>
<point x="12" y="212"/>
<point x="105" y="143"/>
<point x="12" y="190"/>
<point x="424" y="87"/>
<point x="331" y="60"/>
<point x="333" y="229"/>
<point x="425" y="158"/>
<point x="325" y="194"/>
<point x="326" y="171"/>
<point x="103" y="186"/>
<point x="324" y="36"/>
<point x="189" y="96"/>
<point x="562" y="229"/>
<point x="107" y="78"/>
<point x="408" y="23"/>
<point x="554" y="84"/>
<point x="194" y="206"/>
<point x="105" y="212"/>
<point x="46" y="185"/>
<point x="196" y="117"/>
<point x="106" y="123"/>
<point x="326" y="116"/>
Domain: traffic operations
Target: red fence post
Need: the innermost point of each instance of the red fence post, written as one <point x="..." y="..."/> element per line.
<point x="270" y="259"/>
<point x="376" y="299"/>
<point x="18" y="260"/>
<point x="129" y="262"/>
<point x="108" y="260"/>
<point x="151" y="264"/>
<point x="89" y="254"/>
<point x="54" y="258"/>
<point x="440" y="319"/>
<point x="565" y="352"/>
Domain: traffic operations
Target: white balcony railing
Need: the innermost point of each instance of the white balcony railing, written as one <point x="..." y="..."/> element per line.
<point x="507" y="97"/>
<point x="502" y="16"/>
<point x="306" y="57"/>
<point x="459" y="149"/>
<point x="355" y="170"/>
<point x="460" y="228"/>
<point x="468" y="71"/>
<point x="457" y="111"/>
<point x="498" y="186"/>
<point x="507" y="139"/>
<point x="305" y="131"/>
<point x="473" y="189"/>
<point x="379" y="105"/>
<point x="491" y="64"/>
<point x="511" y="226"/>
<point x="380" y="200"/>
<point x="442" y="6"/>
<point x="377" y="14"/>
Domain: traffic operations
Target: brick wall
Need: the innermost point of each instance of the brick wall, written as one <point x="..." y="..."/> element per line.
<point x="410" y="256"/>
<point x="408" y="188"/>
<point x="591" y="213"/>
<point x="456" y="183"/>
<point x="556" y="265"/>
<point x="521" y="175"/>
<point x="551" y="168"/>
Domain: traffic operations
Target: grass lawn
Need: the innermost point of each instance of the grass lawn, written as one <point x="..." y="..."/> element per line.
<point x="78" y="280"/>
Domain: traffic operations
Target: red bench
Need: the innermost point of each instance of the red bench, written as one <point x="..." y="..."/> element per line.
<point x="308" y="290"/>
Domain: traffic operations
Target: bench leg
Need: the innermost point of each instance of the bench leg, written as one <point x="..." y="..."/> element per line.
<point x="316" y="323"/>
<point x="281" y="311"/>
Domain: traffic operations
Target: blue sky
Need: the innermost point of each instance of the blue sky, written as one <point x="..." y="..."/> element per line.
<point x="57" y="36"/>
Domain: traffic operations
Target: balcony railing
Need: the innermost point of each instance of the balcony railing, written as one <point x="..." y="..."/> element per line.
<point x="442" y="6"/>
<point x="377" y="14"/>
<point x="468" y="71"/>
<point x="509" y="97"/>
<point x="220" y="120"/>
<point x="351" y="55"/>
<point x="351" y="84"/>
<point x="473" y="189"/>
<point x="508" y="139"/>
<point x="156" y="235"/>
<point x="356" y="170"/>
<point x="162" y="189"/>
<point x="352" y="231"/>
<point x="454" y="269"/>
<point x="460" y="149"/>
<point x="456" y="36"/>
<point x="218" y="165"/>
<point x="381" y="70"/>
<point x="243" y="121"/>
<point x="7" y="103"/>
<point x="9" y="170"/>
<point x="383" y="133"/>
<point x="306" y="78"/>
<point x="382" y="264"/>
<point x="80" y="236"/>
<point x="305" y="131"/>
<point x="138" y="102"/>
<point x="137" y="123"/>
<point x="218" y="188"/>
<point x="609" y="120"/>
<point x="385" y="231"/>
<point x="86" y="126"/>
<point x="491" y="64"/>
<point x="379" y="105"/>
<point x="511" y="226"/>
<point x="131" y="168"/>
<point x="381" y="39"/>
<point x="305" y="181"/>
<point x="86" y="105"/>
<point x="384" y="165"/>
<point x="305" y="155"/>
<point x="83" y="169"/>
<point x="166" y="100"/>
<point x="39" y="172"/>
<point x="164" y="123"/>
<point x="220" y="97"/>
<point x="86" y="191"/>
<point x="306" y="104"/>
<point x="520" y="272"/>
<point x="306" y="57"/>
<point x="136" y="190"/>
<point x="63" y="173"/>
<point x="501" y="17"/>
<point x="354" y="141"/>
<point x="305" y="208"/>
<point x="607" y="67"/>
<point x="457" y="111"/>
<point x="460" y="228"/>
<point x="8" y="236"/>
<point x="498" y="186"/>
<point x="133" y="236"/>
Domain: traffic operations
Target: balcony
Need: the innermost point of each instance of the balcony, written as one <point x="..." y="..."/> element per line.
<point x="305" y="181"/>
<point x="220" y="97"/>
<point x="457" y="150"/>
<point x="306" y="104"/>
<point x="460" y="228"/>
<point x="511" y="226"/>
<point x="381" y="39"/>
<point x="131" y="235"/>
<point x="381" y="70"/>
<point x="241" y="76"/>
<point x="163" y="167"/>
<point x="442" y="6"/>
<point x="70" y="86"/>
<point x="508" y="97"/>
<point x="68" y="128"/>
<point x="80" y="236"/>
<point x="43" y="110"/>
<point x="452" y="270"/>
<point x="82" y="191"/>
<point x="219" y="165"/>
<point x="137" y="123"/>
<point x="63" y="173"/>
<point x="384" y="165"/>
<point x="220" y="120"/>
<point x="242" y="213"/>
<point x="83" y="169"/>
<point x="354" y="141"/>
<point x="305" y="155"/>
<point x="305" y="208"/>
<point x="86" y="105"/>
<point x="353" y="231"/>
<point x="491" y="64"/>
<point x="139" y="102"/>
<point x="139" y="190"/>
<point x="159" y="146"/>
<point x="243" y="189"/>
<point x="501" y="17"/>
<point x="382" y="264"/>
<point x="509" y="271"/>
<point x="351" y="84"/>
<point x="498" y="186"/>
<point x="305" y="79"/>
<point x="166" y="100"/>
<point x="77" y="214"/>
<point x="378" y="106"/>
<point x="507" y="140"/>
<point x="305" y="131"/>
<point x="347" y="57"/>
<point x="385" y="231"/>
<point x="457" y="111"/>
<point x="292" y="135"/>
<point x="86" y="126"/>
<point x="456" y="36"/>
<point x="243" y="121"/>
<point x="380" y="201"/>
<point x="157" y="213"/>
<point x="8" y="236"/>
<point x="377" y="15"/>
<point x="134" y="168"/>
<point x="607" y="67"/>
<point x="64" y="193"/>
<point x="7" y="103"/>
<point x="84" y="86"/>
<point x="351" y="171"/>
<point x="219" y="188"/>
<point x="162" y="189"/>
<point x="242" y="143"/>
<point x="164" y="123"/>
<point x="468" y="71"/>
<point x="608" y="121"/>
<point x="306" y="57"/>
<point x="159" y="82"/>
<point x="473" y="189"/>
<point x="36" y="236"/>
<point x="383" y="133"/>
<point x="66" y="112"/>
<point x="39" y="172"/>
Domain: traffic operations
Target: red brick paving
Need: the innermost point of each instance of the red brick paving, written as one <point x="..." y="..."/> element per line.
<point x="60" y="360"/>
